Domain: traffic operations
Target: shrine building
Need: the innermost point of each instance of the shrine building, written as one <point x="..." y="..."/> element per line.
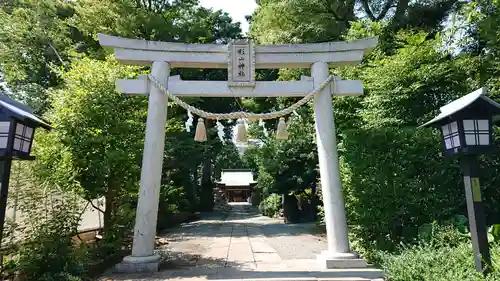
<point x="237" y="184"/>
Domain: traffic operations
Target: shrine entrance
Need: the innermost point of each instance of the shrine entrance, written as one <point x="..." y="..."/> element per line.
<point x="241" y="58"/>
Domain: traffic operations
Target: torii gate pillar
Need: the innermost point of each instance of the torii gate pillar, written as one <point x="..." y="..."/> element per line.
<point x="326" y="143"/>
<point x="149" y="192"/>
<point x="241" y="83"/>
<point x="338" y="254"/>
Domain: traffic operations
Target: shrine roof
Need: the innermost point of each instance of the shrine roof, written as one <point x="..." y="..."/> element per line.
<point x="237" y="177"/>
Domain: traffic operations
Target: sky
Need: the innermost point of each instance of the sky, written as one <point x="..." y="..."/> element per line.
<point x="237" y="9"/>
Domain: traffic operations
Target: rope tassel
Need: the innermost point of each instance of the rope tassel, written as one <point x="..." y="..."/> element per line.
<point x="282" y="132"/>
<point x="241" y="132"/>
<point x="201" y="131"/>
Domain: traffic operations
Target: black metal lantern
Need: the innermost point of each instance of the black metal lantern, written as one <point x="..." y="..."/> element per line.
<point x="466" y="127"/>
<point x="466" y="123"/>
<point x="17" y="129"/>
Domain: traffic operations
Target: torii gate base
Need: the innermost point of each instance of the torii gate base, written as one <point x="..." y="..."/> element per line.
<point x="243" y="59"/>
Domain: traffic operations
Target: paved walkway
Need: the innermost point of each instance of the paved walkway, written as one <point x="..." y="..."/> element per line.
<point x="245" y="246"/>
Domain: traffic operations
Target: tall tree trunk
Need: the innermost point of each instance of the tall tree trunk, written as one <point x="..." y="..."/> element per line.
<point x="193" y="195"/>
<point x="290" y="208"/>
<point x="348" y="14"/>
<point x="399" y="15"/>
<point x="207" y="159"/>
<point x="207" y="185"/>
<point x="195" y="177"/>
<point x="206" y="176"/>
<point x="109" y="210"/>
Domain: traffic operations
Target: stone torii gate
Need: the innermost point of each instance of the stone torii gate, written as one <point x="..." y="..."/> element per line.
<point x="241" y="58"/>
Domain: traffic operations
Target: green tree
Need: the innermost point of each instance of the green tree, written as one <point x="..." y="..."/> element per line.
<point x="481" y="20"/>
<point x="227" y="158"/>
<point x="293" y="21"/>
<point x="174" y="21"/>
<point x="291" y="164"/>
<point x="169" y="21"/>
<point x="389" y="191"/>
<point x="408" y="87"/>
<point x="34" y="42"/>
<point x="99" y="130"/>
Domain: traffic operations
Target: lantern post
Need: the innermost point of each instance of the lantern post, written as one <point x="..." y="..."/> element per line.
<point x="467" y="129"/>
<point x="17" y="130"/>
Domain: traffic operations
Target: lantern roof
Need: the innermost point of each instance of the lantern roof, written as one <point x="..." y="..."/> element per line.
<point x="461" y="104"/>
<point x="22" y="112"/>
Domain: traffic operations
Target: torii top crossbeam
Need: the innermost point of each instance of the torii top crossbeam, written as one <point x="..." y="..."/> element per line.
<point x="143" y="52"/>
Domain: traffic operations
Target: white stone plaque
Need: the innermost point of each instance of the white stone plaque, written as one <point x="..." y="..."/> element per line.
<point x="241" y="68"/>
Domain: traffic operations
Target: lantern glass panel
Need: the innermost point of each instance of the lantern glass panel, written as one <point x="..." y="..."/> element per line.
<point x="28" y="132"/>
<point x="17" y="144"/>
<point x="22" y="138"/>
<point x="450" y="134"/>
<point x="477" y="132"/>
<point x="4" y="134"/>
<point x="19" y="129"/>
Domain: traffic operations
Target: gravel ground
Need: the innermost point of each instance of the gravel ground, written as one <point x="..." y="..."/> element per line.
<point x="291" y="241"/>
<point x="290" y="246"/>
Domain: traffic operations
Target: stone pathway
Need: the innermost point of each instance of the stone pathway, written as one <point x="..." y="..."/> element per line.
<point x="245" y="246"/>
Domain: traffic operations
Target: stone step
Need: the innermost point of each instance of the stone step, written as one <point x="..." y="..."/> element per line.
<point x="305" y="279"/>
<point x="262" y="274"/>
<point x="330" y="274"/>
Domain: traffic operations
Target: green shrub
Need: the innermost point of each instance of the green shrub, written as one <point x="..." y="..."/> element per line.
<point x="449" y="233"/>
<point x="444" y="252"/>
<point x="394" y="181"/>
<point x="308" y="205"/>
<point x="321" y="214"/>
<point x="173" y="200"/>
<point x="495" y="262"/>
<point x="265" y="182"/>
<point x="427" y="263"/>
<point x="49" y="252"/>
<point x="289" y="166"/>
<point x="271" y="206"/>
<point x="174" y="195"/>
